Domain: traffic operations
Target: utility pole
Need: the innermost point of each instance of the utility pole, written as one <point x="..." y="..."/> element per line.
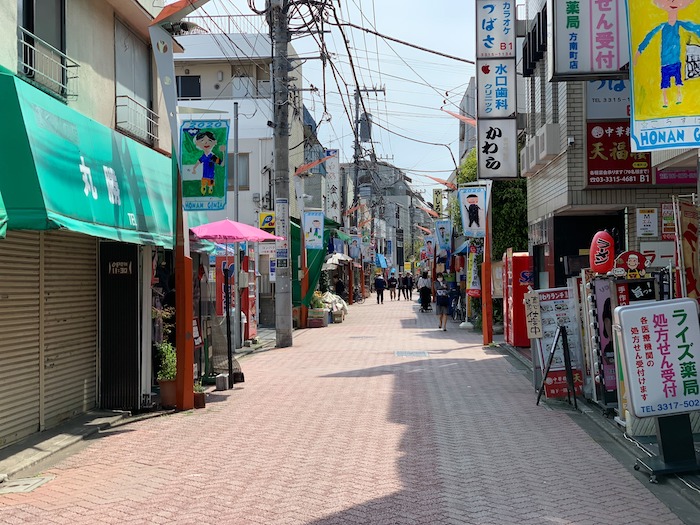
<point x="280" y="80"/>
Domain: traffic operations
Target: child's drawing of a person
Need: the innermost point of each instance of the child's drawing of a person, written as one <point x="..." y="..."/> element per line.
<point x="205" y="142"/>
<point x="671" y="58"/>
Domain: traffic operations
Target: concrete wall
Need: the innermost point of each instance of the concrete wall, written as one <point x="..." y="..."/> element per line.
<point x="8" y="41"/>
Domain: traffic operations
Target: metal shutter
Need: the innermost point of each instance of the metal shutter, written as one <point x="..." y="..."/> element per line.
<point x="70" y="325"/>
<point x="19" y="336"/>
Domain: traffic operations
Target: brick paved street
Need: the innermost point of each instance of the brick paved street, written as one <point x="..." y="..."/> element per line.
<point x="340" y="430"/>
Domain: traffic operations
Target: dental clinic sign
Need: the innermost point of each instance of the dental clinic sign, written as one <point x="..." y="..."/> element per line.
<point x="496" y="79"/>
<point x="660" y="359"/>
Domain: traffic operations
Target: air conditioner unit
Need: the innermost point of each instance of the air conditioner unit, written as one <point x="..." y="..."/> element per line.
<point x="533" y="154"/>
<point x="549" y="142"/>
<point x="264" y="88"/>
<point x="524" y="162"/>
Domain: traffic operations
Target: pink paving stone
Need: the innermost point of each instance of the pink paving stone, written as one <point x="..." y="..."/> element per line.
<point x="337" y="429"/>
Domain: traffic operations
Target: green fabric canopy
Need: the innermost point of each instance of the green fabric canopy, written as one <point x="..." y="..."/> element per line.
<point x="314" y="261"/>
<point x="65" y="170"/>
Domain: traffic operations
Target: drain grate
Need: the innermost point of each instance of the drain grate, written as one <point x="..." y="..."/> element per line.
<point x="22" y="485"/>
<point x="408" y="353"/>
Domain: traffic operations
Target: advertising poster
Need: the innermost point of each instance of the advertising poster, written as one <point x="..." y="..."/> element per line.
<point x="203" y="164"/>
<point x="443" y="231"/>
<point x="473" y="205"/>
<point x="558" y="307"/>
<point x="355" y="247"/>
<point x="664" y="38"/>
<point x="668" y="226"/>
<point x="313" y="230"/>
<point x="689" y="245"/>
<point x="604" y="310"/>
<point x="610" y="159"/>
<point x="657" y="342"/>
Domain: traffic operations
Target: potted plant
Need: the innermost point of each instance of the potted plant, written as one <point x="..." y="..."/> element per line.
<point x="200" y="396"/>
<point x="167" y="373"/>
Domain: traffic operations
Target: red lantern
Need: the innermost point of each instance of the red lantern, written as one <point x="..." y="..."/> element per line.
<point x="602" y="254"/>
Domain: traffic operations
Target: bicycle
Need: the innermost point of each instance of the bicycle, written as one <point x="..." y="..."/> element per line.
<point x="459" y="312"/>
<point x="357" y="296"/>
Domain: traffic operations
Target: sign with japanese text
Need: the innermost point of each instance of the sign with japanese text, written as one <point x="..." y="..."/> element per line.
<point x="203" y="164"/>
<point x="588" y="37"/>
<point x="282" y="230"/>
<point x="610" y="160"/>
<point x="437" y="201"/>
<point x="313" y="230"/>
<point x="668" y="222"/>
<point x="495" y="29"/>
<point x="665" y="74"/>
<point x="647" y="222"/>
<point x="558" y="307"/>
<point x="496" y="80"/>
<point x="333" y="185"/>
<point x="660" y="361"/>
<point x="473" y="282"/>
<point x="266" y="221"/>
<point x="533" y="320"/>
<point x="685" y="177"/>
<point x="497" y="148"/>
<point x="473" y="206"/>
<point x="608" y="99"/>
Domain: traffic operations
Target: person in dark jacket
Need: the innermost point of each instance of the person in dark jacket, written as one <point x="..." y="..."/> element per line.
<point x="391" y="284"/>
<point x="379" y="285"/>
<point x="408" y="285"/>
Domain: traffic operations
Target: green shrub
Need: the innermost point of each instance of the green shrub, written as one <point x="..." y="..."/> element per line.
<point x="168" y="361"/>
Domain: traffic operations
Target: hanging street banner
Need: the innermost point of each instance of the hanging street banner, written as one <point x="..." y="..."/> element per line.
<point x="203" y="164"/>
<point x="313" y="230"/>
<point x="495" y="29"/>
<point x="498" y="148"/>
<point x="610" y="159"/>
<point x="333" y="186"/>
<point x="659" y="359"/>
<point x="608" y="99"/>
<point x="588" y="38"/>
<point x="473" y="282"/>
<point x="473" y="206"/>
<point x="355" y="247"/>
<point x="443" y="231"/>
<point x="429" y="242"/>
<point x="664" y="39"/>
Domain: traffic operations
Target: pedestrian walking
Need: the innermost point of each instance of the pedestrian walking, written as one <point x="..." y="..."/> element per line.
<point x="379" y="285"/>
<point x="425" y="292"/>
<point x="407" y="285"/>
<point x="402" y="285"/>
<point x="442" y="301"/>
<point x="391" y="284"/>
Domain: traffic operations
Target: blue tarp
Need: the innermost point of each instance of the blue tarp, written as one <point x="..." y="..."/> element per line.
<point x="463" y="248"/>
<point x="380" y="261"/>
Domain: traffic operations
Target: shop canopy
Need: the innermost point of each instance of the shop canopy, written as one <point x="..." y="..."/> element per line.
<point x="3" y="218"/>
<point x="65" y="170"/>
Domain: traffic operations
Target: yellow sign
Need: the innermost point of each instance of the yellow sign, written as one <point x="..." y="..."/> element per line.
<point x="267" y="221"/>
<point x="407" y="267"/>
<point x="437" y="201"/>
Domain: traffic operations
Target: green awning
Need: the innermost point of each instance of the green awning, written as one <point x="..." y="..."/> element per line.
<point x="65" y="170"/>
<point x="342" y="235"/>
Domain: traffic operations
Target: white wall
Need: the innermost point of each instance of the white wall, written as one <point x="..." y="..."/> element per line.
<point x="8" y="41"/>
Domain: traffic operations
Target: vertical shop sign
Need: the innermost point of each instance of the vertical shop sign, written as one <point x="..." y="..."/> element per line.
<point x="668" y="226"/>
<point x="533" y="319"/>
<point x="689" y="244"/>
<point x="437" y="201"/>
<point x="203" y="164"/>
<point x="282" y="230"/>
<point x="333" y="185"/>
<point x="647" y="222"/>
<point x="610" y="159"/>
<point x="588" y="37"/>
<point x="558" y="307"/>
<point x="496" y="80"/>
<point x="498" y="148"/>
<point x="657" y="342"/>
<point x="495" y="29"/>
<point x="665" y="74"/>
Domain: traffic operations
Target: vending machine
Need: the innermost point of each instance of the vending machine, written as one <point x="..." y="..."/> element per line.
<point x="518" y="275"/>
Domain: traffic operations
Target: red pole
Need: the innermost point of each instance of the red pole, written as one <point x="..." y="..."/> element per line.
<point x="351" y="281"/>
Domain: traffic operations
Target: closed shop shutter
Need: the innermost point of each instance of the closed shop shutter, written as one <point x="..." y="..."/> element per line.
<point x="19" y="336"/>
<point x="70" y="325"/>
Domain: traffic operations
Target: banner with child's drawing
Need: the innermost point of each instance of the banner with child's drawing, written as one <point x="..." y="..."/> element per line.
<point x="664" y="38"/>
<point x="203" y="164"/>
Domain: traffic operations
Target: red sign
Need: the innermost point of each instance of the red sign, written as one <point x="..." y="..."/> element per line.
<point x="556" y="386"/>
<point x="610" y="158"/>
<point x="602" y="254"/>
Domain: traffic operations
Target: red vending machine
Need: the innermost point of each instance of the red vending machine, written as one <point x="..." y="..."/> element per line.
<point x="249" y="304"/>
<point x="518" y="271"/>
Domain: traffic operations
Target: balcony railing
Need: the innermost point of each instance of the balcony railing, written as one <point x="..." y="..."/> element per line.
<point x="248" y="24"/>
<point x="136" y="119"/>
<point x="45" y="65"/>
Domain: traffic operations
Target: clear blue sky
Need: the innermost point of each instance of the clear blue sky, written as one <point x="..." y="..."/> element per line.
<point x="417" y="83"/>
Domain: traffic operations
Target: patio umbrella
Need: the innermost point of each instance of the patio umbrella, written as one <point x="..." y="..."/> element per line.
<point x="228" y="231"/>
<point x="337" y="258"/>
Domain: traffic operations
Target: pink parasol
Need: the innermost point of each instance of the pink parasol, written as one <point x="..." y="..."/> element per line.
<point x="230" y="231"/>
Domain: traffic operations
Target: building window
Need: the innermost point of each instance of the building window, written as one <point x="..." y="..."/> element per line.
<point x="243" y="172"/>
<point x="46" y="20"/>
<point x="189" y="86"/>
